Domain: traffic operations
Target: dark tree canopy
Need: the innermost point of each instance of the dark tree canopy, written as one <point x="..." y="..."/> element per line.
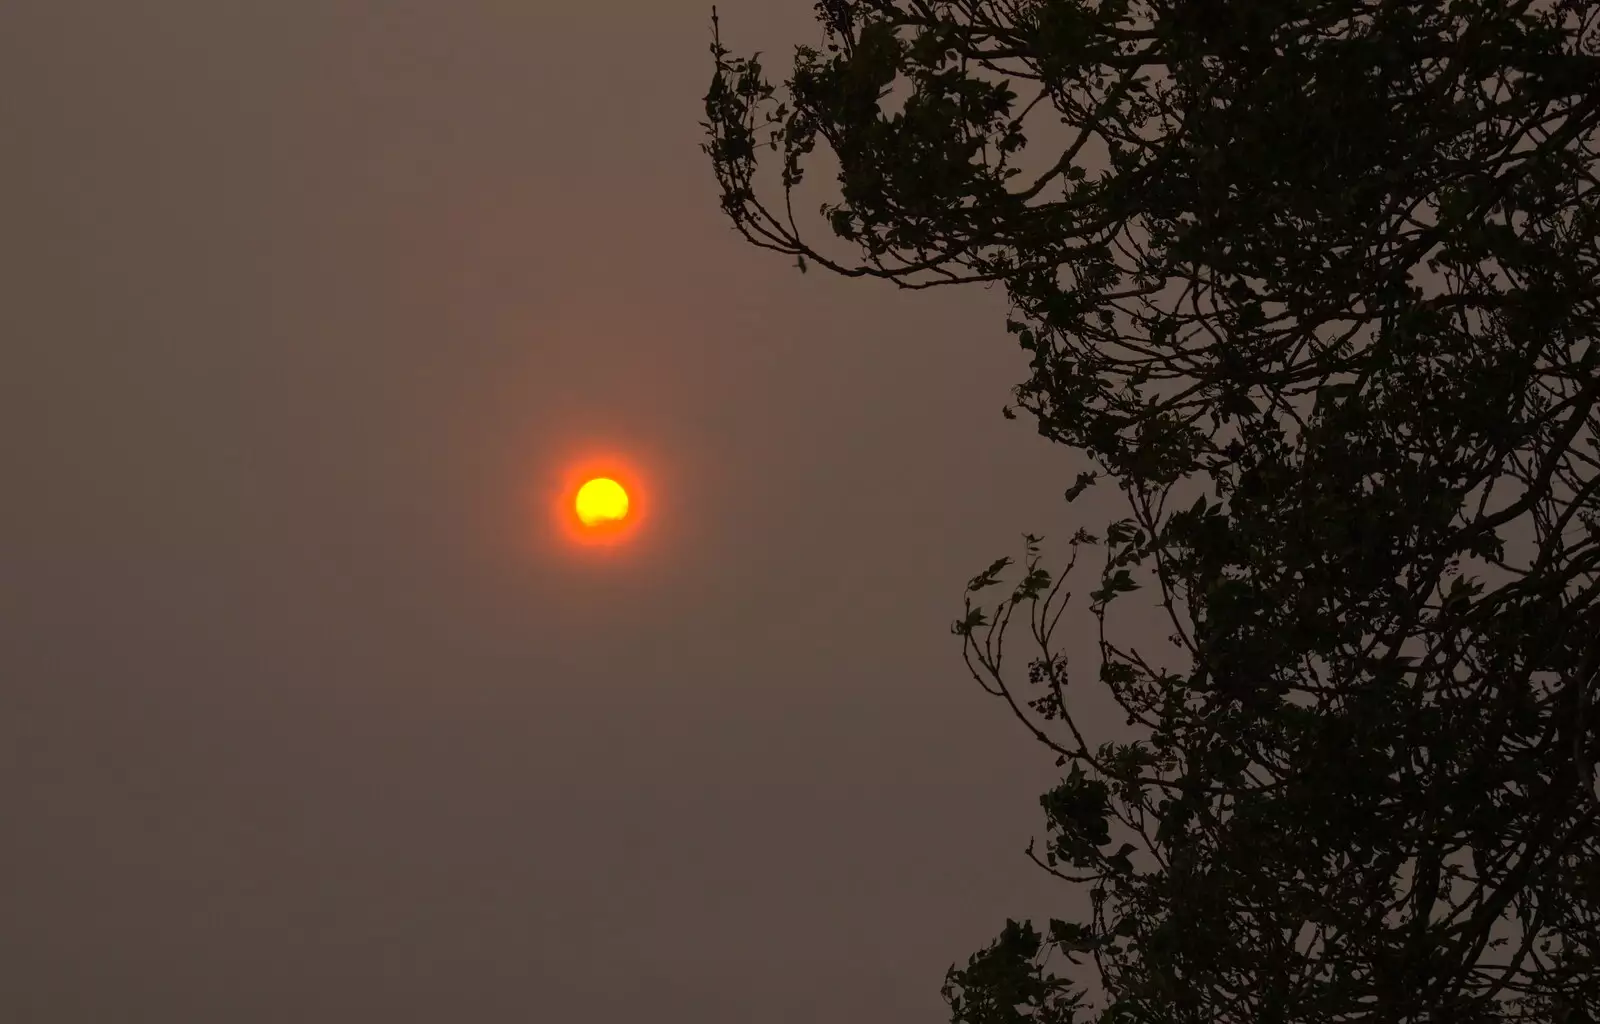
<point x="1339" y="267"/>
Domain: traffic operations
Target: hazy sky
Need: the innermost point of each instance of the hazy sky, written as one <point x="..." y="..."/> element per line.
<point x="303" y="716"/>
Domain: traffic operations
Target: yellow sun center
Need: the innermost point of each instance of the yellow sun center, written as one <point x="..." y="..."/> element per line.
<point x="601" y="500"/>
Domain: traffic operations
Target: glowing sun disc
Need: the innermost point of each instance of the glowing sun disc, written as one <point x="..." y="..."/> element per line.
<point x="600" y="501"/>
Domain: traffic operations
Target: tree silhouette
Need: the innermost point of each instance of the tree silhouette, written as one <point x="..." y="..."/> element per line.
<point x="1341" y="272"/>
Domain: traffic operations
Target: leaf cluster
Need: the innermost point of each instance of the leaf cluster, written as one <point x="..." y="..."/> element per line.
<point x="1340" y="270"/>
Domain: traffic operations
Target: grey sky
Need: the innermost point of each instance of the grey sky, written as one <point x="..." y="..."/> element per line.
<point x="302" y="717"/>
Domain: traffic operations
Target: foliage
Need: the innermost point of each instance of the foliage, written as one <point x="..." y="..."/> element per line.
<point x="1342" y="268"/>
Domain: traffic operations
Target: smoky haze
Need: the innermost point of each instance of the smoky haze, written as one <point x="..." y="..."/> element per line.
<point x="304" y="715"/>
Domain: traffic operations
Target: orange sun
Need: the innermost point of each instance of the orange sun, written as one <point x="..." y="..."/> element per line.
<point x="602" y="502"/>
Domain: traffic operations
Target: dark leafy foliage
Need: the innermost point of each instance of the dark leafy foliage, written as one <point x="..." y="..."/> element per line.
<point x="1342" y="273"/>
